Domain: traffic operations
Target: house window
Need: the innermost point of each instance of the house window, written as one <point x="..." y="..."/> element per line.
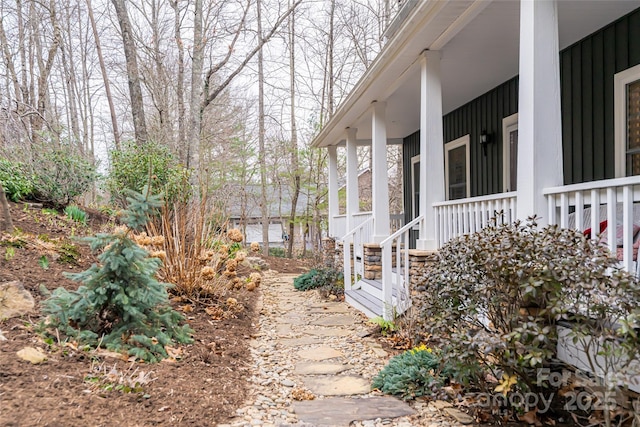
<point x="510" y="153"/>
<point x="415" y="186"/>
<point x="457" y="170"/>
<point x="627" y="116"/>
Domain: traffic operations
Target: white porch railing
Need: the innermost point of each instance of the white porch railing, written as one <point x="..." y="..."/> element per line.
<point x="339" y="225"/>
<point x="618" y="201"/>
<point x="400" y="277"/>
<point x="458" y="217"/>
<point x="358" y="236"/>
<point x="396" y="222"/>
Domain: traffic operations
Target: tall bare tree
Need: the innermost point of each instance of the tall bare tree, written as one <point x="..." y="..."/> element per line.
<point x="295" y="164"/>
<point x="133" y="75"/>
<point x="105" y="76"/>
<point x="264" y="207"/>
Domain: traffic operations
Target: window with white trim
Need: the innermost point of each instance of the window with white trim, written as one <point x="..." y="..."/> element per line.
<point x="627" y="121"/>
<point x="415" y="186"/>
<point x="457" y="168"/>
<point x="510" y="153"/>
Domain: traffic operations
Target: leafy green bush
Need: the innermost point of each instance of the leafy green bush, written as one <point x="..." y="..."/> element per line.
<point x="15" y="179"/>
<point x="414" y="373"/>
<point x="60" y="174"/>
<point x="500" y="292"/>
<point x="120" y="305"/>
<point x="76" y="214"/>
<point x="316" y="278"/>
<point x="133" y="164"/>
<point x="277" y="252"/>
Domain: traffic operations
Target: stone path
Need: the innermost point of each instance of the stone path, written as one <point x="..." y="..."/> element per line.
<point x="308" y="348"/>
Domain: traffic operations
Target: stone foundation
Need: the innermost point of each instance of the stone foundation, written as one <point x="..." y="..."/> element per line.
<point x="329" y="252"/>
<point x="420" y="263"/>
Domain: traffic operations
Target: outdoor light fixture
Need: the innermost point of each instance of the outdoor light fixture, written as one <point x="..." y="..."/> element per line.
<point x="485" y="139"/>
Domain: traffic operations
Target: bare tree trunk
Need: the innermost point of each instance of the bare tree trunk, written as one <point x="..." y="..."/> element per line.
<point x="180" y="144"/>
<point x="135" y="90"/>
<point x="264" y="209"/>
<point x="105" y="77"/>
<point x="295" y="166"/>
<point x="45" y="71"/>
<point x="7" y="224"/>
<point x="195" y="105"/>
<point x="331" y="77"/>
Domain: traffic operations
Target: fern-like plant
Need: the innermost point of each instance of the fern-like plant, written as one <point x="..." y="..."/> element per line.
<point x="121" y="305"/>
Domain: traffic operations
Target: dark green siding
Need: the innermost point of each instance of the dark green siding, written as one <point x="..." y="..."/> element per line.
<point x="484" y="113"/>
<point x="587" y="69"/>
<point x="410" y="148"/>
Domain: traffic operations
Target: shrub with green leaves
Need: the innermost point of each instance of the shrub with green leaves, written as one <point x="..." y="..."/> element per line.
<point x="316" y="278"/>
<point x="495" y="297"/>
<point x="15" y="180"/>
<point x="133" y="164"/>
<point x="60" y="174"/>
<point x="120" y="305"/>
<point x="414" y="373"/>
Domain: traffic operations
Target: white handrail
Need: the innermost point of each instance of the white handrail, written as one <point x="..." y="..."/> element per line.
<point x="357" y="235"/>
<point x="401" y="237"/>
<point x="402" y="230"/>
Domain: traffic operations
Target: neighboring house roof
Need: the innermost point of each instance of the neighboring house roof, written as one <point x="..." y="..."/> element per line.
<point x="278" y="200"/>
<point x="362" y="179"/>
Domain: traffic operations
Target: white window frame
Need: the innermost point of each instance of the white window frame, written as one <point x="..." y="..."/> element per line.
<point x="620" y="82"/>
<point x="509" y="124"/>
<point x="414" y="160"/>
<point x="456" y="143"/>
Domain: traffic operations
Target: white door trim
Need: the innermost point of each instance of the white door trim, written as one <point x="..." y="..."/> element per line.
<point x="620" y="82"/>
<point x="509" y="124"/>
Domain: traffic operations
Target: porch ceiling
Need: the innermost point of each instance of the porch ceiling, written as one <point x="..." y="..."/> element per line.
<point x="479" y="41"/>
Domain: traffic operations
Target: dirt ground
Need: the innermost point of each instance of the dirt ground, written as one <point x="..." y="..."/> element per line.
<point x="74" y="387"/>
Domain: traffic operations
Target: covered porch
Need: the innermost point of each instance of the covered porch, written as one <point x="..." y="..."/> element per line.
<point x="462" y="170"/>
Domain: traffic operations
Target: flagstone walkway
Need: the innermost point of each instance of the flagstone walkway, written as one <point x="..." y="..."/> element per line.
<point x="314" y="364"/>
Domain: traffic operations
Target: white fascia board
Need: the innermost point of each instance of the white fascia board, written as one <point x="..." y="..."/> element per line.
<point x="397" y="54"/>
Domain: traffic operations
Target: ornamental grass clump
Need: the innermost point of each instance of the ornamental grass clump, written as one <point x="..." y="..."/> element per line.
<point x="120" y="306"/>
<point x="414" y="373"/>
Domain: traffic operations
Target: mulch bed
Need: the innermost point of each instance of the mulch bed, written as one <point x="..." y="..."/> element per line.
<point x="204" y="387"/>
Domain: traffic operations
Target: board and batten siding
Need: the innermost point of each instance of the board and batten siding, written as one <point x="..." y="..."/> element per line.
<point x="483" y="113"/>
<point x="587" y="70"/>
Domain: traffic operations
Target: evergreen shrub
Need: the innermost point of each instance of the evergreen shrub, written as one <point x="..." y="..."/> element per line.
<point x="318" y="277"/>
<point x="15" y="180"/>
<point x="414" y="373"/>
<point x="132" y="165"/>
<point x="495" y="297"/>
<point x="120" y="305"/>
<point x="60" y="174"/>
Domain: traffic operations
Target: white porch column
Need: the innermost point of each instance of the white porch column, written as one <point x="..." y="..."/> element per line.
<point x="333" y="189"/>
<point x="431" y="147"/>
<point x="540" y="131"/>
<point x="353" y="197"/>
<point x="379" y="178"/>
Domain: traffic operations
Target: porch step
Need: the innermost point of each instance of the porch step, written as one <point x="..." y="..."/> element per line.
<point x="366" y="296"/>
<point x="374" y="287"/>
<point x="364" y="301"/>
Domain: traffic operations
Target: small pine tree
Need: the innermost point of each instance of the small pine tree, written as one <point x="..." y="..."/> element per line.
<point x="121" y="306"/>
